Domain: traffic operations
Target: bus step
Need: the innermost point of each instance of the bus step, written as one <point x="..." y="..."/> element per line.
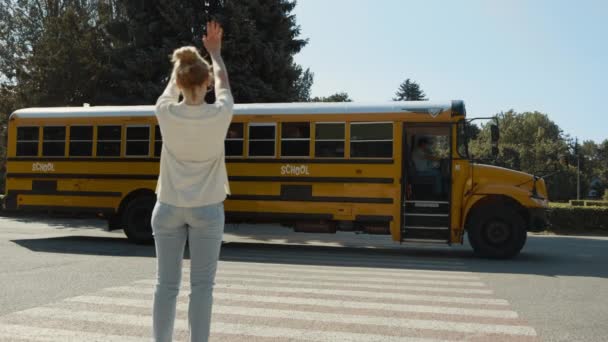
<point x="426" y="207"/>
<point x="426" y="233"/>
<point x="429" y="241"/>
<point x="426" y="220"/>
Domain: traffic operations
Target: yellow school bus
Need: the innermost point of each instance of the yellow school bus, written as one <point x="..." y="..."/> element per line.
<point x="398" y="168"/>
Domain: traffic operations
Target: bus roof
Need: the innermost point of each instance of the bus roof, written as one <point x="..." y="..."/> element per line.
<point x="432" y="108"/>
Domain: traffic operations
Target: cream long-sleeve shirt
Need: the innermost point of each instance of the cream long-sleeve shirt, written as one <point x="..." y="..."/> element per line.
<point x="192" y="164"/>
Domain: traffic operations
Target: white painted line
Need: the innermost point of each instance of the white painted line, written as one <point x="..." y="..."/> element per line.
<point x="216" y="327"/>
<point x="346" y="262"/>
<point x="340" y="304"/>
<point x="324" y="257"/>
<point x="363" y="271"/>
<point x="9" y="332"/>
<point x="437" y="325"/>
<point x="464" y="327"/>
<point x="332" y="292"/>
<point x="336" y="284"/>
<point x="295" y="275"/>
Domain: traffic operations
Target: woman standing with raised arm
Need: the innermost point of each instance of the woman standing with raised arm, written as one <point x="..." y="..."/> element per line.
<point x="192" y="185"/>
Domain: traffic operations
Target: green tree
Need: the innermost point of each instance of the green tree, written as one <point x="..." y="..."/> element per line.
<point x="409" y="91"/>
<point x="117" y="52"/>
<point x="337" y="97"/>
<point x="261" y="39"/>
<point x="51" y="52"/>
<point x="532" y="143"/>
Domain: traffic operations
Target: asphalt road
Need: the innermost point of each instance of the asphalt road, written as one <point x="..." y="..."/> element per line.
<point x="69" y="280"/>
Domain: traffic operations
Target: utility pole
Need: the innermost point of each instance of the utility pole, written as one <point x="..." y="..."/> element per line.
<point x="578" y="170"/>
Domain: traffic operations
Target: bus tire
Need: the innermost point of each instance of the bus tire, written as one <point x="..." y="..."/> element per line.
<point x="498" y="233"/>
<point x="137" y="220"/>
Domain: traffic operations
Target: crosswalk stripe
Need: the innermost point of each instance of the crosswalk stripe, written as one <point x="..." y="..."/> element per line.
<point x="295" y="275"/>
<point x="145" y="320"/>
<point x="343" y="284"/>
<point x="310" y="261"/>
<point x="356" y="271"/>
<point x="440" y="310"/>
<point x="13" y="332"/>
<point x="324" y="257"/>
<point x="333" y="292"/>
<point x="216" y="327"/>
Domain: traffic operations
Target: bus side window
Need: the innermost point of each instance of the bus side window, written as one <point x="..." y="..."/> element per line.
<point x="81" y="141"/>
<point x="329" y="140"/>
<point x="234" y="142"/>
<point x="262" y="137"/>
<point x="295" y="139"/>
<point x="158" y="141"/>
<point x="53" y="144"/>
<point x="27" y="141"/>
<point x="109" y="140"/>
<point x="138" y="141"/>
<point x="371" y="140"/>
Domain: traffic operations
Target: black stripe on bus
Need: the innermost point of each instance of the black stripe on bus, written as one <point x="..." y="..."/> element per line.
<point x="308" y="161"/>
<point x="232" y="178"/>
<point x="80" y="176"/>
<point x="312" y="179"/>
<point x="83" y="159"/>
<point x="228" y="160"/>
<point x="94" y="210"/>
<point x="65" y="193"/>
<point x="252" y="215"/>
<point x="373" y="218"/>
<point x="312" y="199"/>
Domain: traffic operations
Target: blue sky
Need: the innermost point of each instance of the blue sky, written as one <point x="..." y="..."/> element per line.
<point x="545" y="55"/>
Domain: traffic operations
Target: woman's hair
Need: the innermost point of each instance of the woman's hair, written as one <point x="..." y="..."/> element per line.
<point x="191" y="70"/>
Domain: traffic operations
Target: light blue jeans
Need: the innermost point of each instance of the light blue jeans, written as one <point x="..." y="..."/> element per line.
<point x="203" y="228"/>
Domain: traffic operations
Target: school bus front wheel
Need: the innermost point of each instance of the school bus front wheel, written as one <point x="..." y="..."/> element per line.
<point x="497" y="233"/>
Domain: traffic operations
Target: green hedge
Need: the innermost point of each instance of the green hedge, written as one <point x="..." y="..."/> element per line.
<point x="588" y="203"/>
<point x="587" y="219"/>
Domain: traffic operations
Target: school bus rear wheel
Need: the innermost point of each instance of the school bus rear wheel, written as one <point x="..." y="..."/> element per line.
<point x="497" y="232"/>
<point x="137" y="219"/>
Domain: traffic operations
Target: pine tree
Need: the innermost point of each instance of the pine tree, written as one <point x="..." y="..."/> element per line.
<point x="409" y="91"/>
<point x="260" y="40"/>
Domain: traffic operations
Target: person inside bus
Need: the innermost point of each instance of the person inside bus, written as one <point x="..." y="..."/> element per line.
<point x="427" y="164"/>
<point x="192" y="185"/>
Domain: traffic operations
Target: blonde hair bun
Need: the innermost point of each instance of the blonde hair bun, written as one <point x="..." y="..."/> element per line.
<point x="186" y="55"/>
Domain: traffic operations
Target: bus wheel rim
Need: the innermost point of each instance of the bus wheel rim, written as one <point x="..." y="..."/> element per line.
<point x="497" y="232"/>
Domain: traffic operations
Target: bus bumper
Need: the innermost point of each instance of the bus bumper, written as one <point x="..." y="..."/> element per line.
<point x="538" y="220"/>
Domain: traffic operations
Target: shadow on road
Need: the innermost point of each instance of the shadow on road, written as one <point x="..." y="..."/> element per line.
<point x="545" y="256"/>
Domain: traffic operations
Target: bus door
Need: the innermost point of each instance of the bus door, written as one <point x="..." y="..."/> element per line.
<point x="427" y="186"/>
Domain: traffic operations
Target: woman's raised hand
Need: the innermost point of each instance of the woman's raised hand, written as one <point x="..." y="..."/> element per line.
<point x="213" y="39"/>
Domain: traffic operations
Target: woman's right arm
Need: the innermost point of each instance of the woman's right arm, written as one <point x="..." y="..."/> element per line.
<point x="213" y="43"/>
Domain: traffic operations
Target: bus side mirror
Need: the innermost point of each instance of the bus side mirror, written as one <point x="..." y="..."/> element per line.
<point x="495" y="134"/>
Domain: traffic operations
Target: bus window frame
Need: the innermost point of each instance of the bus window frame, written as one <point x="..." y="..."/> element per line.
<point x="157" y="140"/>
<point x="345" y="125"/>
<point x="242" y="140"/>
<point x="126" y="127"/>
<point x="92" y="141"/>
<point x="309" y="139"/>
<point x="97" y="141"/>
<point x="43" y="140"/>
<point x="392" y="140"/>
<point x="38" y="141"/>
<point x="262" y="124"/>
